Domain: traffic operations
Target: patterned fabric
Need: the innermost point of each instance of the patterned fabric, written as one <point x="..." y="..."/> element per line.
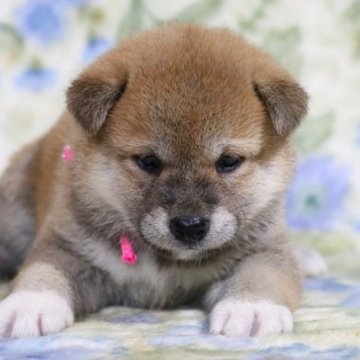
<point x="327" y="327"/>
<point x="45" y="43"/>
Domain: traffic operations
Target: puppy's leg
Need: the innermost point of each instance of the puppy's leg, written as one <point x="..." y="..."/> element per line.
<point x="258" y="298"/>
<point x="53" y="286"/>
<point x="17" y="219"/>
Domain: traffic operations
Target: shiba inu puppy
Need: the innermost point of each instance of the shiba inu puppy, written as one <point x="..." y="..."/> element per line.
<point x="178" y="142"/>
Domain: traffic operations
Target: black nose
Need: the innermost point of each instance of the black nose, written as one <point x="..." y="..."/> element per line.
<point x="189" y="229"/>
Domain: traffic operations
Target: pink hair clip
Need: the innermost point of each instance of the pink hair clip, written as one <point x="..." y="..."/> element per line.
<point x="67" y="153"/>
<point x="128" y="254"/>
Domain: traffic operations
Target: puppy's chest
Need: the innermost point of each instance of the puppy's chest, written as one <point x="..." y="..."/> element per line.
<point x="150" y="286"/>
<point x="147" y="284"/>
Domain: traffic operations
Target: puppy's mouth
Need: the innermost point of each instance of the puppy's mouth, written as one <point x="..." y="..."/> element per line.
<point x="188" y="255"/>
<point x="209" y="237"/>
<point x="185" y="253"/>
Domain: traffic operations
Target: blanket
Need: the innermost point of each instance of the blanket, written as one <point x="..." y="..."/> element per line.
<point x="327" y="326"/>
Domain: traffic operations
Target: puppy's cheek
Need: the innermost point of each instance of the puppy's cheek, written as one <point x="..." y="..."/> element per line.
<point x="102" y="168"/>
<point x="112" y="182"/>
<point x="155" y="229"/>
<point x="263" y="184"/>
<point x="222" y="229"/>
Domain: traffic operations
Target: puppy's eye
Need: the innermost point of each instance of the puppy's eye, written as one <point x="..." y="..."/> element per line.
<point x="228" y="163"/>
<point x="149" y="163"/>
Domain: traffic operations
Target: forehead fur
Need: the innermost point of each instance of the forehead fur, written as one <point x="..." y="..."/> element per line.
<point x="189" y="82"/>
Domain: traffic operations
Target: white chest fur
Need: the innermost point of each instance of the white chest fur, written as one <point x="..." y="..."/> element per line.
<point x="146" y="283"/>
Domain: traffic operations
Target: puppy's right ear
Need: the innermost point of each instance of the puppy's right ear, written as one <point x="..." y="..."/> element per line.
<point x="285" y="101"/>
<point x="94" y="93"/>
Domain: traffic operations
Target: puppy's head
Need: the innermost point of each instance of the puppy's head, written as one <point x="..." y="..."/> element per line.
<point x="187" y="131"/>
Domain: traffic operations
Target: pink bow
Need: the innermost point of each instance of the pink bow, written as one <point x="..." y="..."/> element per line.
<point x="128" y="254"/>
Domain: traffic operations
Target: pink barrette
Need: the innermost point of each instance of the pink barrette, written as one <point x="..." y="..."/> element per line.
<point x="67" y="153"/>
<point x="128" y="254"/>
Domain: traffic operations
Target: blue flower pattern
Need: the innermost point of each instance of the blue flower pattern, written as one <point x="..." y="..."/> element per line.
<point x="94" y="48"/>
<point x="36" y="79"/>
<point x="42" y="21"/>
<point x="317" y="194"/>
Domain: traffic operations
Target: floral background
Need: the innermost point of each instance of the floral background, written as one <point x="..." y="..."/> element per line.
<point x="45" y="43"/>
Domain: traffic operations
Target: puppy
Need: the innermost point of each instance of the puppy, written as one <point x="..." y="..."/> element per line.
<point x="180" y="141"/>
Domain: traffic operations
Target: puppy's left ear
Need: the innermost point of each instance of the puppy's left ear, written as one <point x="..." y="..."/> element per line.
<point x="94" y="93"/>
<point x="285" y="101"/>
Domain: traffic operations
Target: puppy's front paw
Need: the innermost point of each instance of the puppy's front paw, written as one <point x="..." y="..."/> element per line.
<point x="31" y="313"/>
<point x="243" y="318"/>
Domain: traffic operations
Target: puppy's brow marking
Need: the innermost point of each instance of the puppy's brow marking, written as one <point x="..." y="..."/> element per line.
<point x="246" y="147"/>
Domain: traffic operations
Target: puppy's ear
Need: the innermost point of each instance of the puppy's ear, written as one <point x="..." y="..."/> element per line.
<point x="91" y="97"/>
<point x="285" y="101"/>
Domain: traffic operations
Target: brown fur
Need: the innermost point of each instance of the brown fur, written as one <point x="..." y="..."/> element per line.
<point x="186" y="94"/>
